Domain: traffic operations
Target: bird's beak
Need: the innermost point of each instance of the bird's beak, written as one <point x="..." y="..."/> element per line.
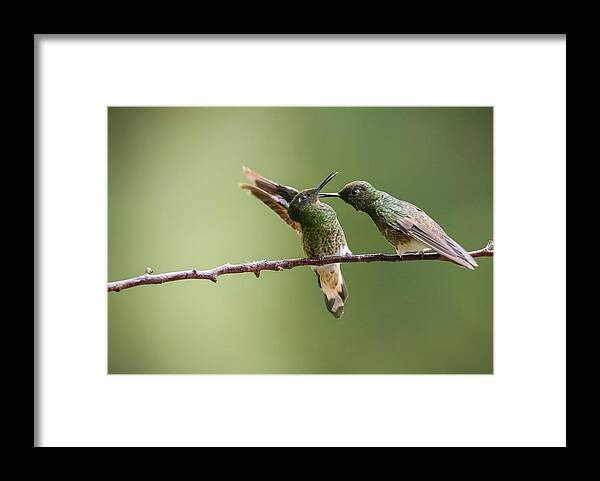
<point x="328" y="194"/>
<point x="324" y="182"/>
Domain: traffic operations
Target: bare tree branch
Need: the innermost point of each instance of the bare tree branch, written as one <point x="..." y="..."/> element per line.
<point x="279" y="265"/>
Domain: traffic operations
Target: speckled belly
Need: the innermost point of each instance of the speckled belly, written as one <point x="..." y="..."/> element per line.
<point x="319" y="244"/>
<point x="403" y="242"/>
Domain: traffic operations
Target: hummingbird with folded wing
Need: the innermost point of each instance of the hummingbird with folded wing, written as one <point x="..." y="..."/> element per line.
<point x="403" y="224"/>
<point x="317" y="224"/>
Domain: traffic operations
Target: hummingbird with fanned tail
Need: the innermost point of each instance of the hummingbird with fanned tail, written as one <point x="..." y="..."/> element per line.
<point x="403" y="224"/>
<point x="316" y="222"/>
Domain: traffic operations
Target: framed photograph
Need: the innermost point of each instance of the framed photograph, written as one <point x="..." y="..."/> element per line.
<point x="299" y="241"/>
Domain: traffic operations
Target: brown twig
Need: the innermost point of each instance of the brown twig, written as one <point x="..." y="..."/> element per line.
<point x="257" y="267"/>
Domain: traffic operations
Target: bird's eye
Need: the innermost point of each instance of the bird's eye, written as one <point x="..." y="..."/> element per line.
<point x="356" y="192"/>
<point x="303" y="198"/>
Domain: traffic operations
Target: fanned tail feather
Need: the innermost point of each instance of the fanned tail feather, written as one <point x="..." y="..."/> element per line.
<point x="334" y="288"/>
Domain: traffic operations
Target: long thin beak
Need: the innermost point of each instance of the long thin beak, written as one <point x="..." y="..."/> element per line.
<point x="325" y="181"/>
<point x="328" y="194"/>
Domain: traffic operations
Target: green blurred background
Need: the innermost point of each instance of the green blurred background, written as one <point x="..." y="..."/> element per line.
<point x="174" y="204"/>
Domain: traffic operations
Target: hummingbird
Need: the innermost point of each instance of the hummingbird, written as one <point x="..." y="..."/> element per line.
<point x="317" y="224"/>
<point x="403" y="224"/>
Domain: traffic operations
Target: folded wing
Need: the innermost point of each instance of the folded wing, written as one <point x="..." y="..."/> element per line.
<point x="423" y="228"/>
